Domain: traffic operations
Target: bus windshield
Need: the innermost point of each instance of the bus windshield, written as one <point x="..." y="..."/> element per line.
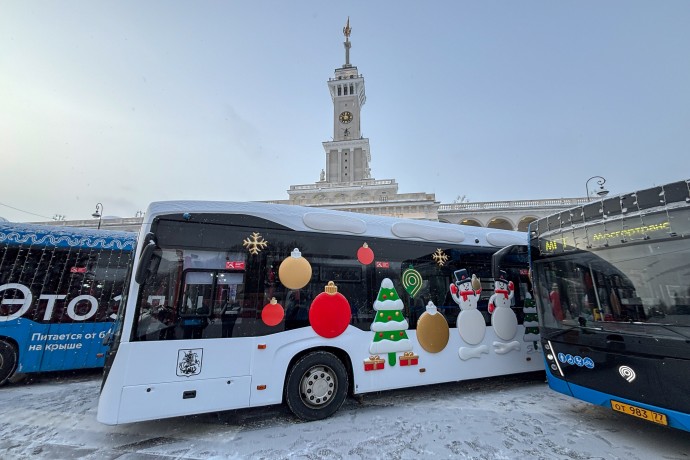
<point x="626" y="288"/>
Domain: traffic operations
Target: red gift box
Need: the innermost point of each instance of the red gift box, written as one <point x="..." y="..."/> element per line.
<point x="374" y="363"/>
<point x="409" y="359"/>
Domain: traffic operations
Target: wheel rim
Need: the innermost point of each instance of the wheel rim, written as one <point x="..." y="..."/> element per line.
<point x="318" y="386"/>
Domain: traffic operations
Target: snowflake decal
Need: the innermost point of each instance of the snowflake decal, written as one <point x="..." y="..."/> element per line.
<point x="255" y="244"/>
<point x="440" y="257"/>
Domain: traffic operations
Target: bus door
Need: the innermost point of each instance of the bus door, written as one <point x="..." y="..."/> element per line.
<point x="185" y="355"/>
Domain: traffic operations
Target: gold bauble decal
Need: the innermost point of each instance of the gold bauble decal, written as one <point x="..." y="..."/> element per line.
<point x="295" y="271"/>
<point x="432" y="330"/>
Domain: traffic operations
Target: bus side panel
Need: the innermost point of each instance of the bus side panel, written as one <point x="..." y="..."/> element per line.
<point x="172" y="378"/>
<point x="270" y="364"/>
<point x="75" y="346"/>
<point x="186" y="397"/>
<point x="30" y="338"/>
<point x="446" y="366"/>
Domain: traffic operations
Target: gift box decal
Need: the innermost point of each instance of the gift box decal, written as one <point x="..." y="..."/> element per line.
<point x="374" y="363"/>
<point x="409" y="359"/>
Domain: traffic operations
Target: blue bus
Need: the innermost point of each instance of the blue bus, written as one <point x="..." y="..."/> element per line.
<point x="611" y="281"/>
<point x="59" y="294"/>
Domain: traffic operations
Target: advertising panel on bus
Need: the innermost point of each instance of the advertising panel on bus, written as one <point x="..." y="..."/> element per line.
<point x="60" y="289"/>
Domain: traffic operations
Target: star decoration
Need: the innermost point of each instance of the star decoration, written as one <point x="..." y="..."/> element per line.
<point x="255" y="244"/>
<point x="440" y="257"/>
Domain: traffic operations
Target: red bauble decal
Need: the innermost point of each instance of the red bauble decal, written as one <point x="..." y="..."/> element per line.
<point x="365" y="255"/>
<point x="329" y="314"/>
<point x="272" y="313"/>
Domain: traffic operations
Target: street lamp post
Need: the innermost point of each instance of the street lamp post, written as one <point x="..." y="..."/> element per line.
<point x="99" y="214"/>
<point x="601" y="181"/>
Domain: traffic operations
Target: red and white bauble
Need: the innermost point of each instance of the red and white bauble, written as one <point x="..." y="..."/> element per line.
<point x="329" y="314"/>
<point x="365" y="255"/>
<point x="272" y="313"/>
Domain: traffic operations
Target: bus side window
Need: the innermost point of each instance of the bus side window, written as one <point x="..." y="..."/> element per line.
<point x="196" y="303"/>
<point x="230" y="307"/>
<point x="296" y="309"/>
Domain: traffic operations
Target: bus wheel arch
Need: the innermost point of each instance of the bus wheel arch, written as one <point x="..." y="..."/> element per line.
<point x="9" y="358"/>
<point x="317" y="383"/>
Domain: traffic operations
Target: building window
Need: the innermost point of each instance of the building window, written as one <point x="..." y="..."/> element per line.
<point x="339" y="90"/>
<point x="345" y="90"/>
<point x="352" y="89"/>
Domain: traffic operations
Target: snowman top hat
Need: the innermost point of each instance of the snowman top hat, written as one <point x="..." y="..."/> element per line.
<point x="461" y="276"/>
<point x="502" y="277"/>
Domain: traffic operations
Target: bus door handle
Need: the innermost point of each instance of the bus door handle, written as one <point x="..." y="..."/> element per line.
<point x="189" y="394"/>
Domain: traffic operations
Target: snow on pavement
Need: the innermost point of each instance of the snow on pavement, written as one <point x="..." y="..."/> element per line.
<point x="515" y="417"/>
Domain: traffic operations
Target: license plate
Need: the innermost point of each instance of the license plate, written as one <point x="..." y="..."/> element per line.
<point x="638" y="412"/>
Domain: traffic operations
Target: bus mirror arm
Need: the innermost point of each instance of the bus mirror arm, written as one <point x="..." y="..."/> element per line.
<point x="144" y="267"/>
<point x="108" y="339"/>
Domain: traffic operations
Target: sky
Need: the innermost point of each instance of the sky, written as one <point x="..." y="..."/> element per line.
<point x="126" y="102"/>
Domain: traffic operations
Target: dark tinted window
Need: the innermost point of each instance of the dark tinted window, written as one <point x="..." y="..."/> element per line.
<point x="67" y="273"/>
<point x="181" y="299"/>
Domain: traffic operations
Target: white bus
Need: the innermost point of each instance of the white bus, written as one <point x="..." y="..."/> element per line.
<point x="235" y="305"/>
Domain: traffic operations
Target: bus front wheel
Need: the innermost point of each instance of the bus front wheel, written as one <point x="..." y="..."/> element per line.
<point x="317" y="386"/>
<point x="8" y="361"/>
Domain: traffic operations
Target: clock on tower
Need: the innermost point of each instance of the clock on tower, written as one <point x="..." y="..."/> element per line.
<point x="345" y="117"/>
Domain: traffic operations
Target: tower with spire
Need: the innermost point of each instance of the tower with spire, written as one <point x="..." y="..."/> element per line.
<point x="347" y="155"/>
<point x="346" y="182"/>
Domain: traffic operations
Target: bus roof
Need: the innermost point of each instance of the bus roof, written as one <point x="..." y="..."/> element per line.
<point x="319" y="220"/>
<point x="65" y="237"/>
<point x="627" y="205"/>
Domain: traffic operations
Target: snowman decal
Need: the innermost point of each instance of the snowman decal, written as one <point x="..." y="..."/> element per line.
<point x="471" y="326"/>
<point x="503" y="318"/>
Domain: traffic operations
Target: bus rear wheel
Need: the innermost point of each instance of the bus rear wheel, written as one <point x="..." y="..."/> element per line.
<point x="317" y="386"/>
<point x="8" y="361"/>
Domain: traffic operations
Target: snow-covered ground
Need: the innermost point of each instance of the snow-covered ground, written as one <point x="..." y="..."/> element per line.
<point x="500" y="418"/>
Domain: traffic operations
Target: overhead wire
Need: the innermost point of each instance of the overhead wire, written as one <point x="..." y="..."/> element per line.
<point x="27" y="212"/>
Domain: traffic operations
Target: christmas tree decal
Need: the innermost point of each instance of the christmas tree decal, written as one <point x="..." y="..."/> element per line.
<point x="531" y="322"/>
<point x="389" y="324"/>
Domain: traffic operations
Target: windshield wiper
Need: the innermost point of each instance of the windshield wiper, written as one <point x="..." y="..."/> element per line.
<point x="669" y="327"/>
<point x="562" y="331"/>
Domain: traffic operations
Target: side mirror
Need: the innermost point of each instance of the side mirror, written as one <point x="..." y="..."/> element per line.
<point x="108" y="339"/>
<point x="497" y="260"/>
<point x="144" y="267"/>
